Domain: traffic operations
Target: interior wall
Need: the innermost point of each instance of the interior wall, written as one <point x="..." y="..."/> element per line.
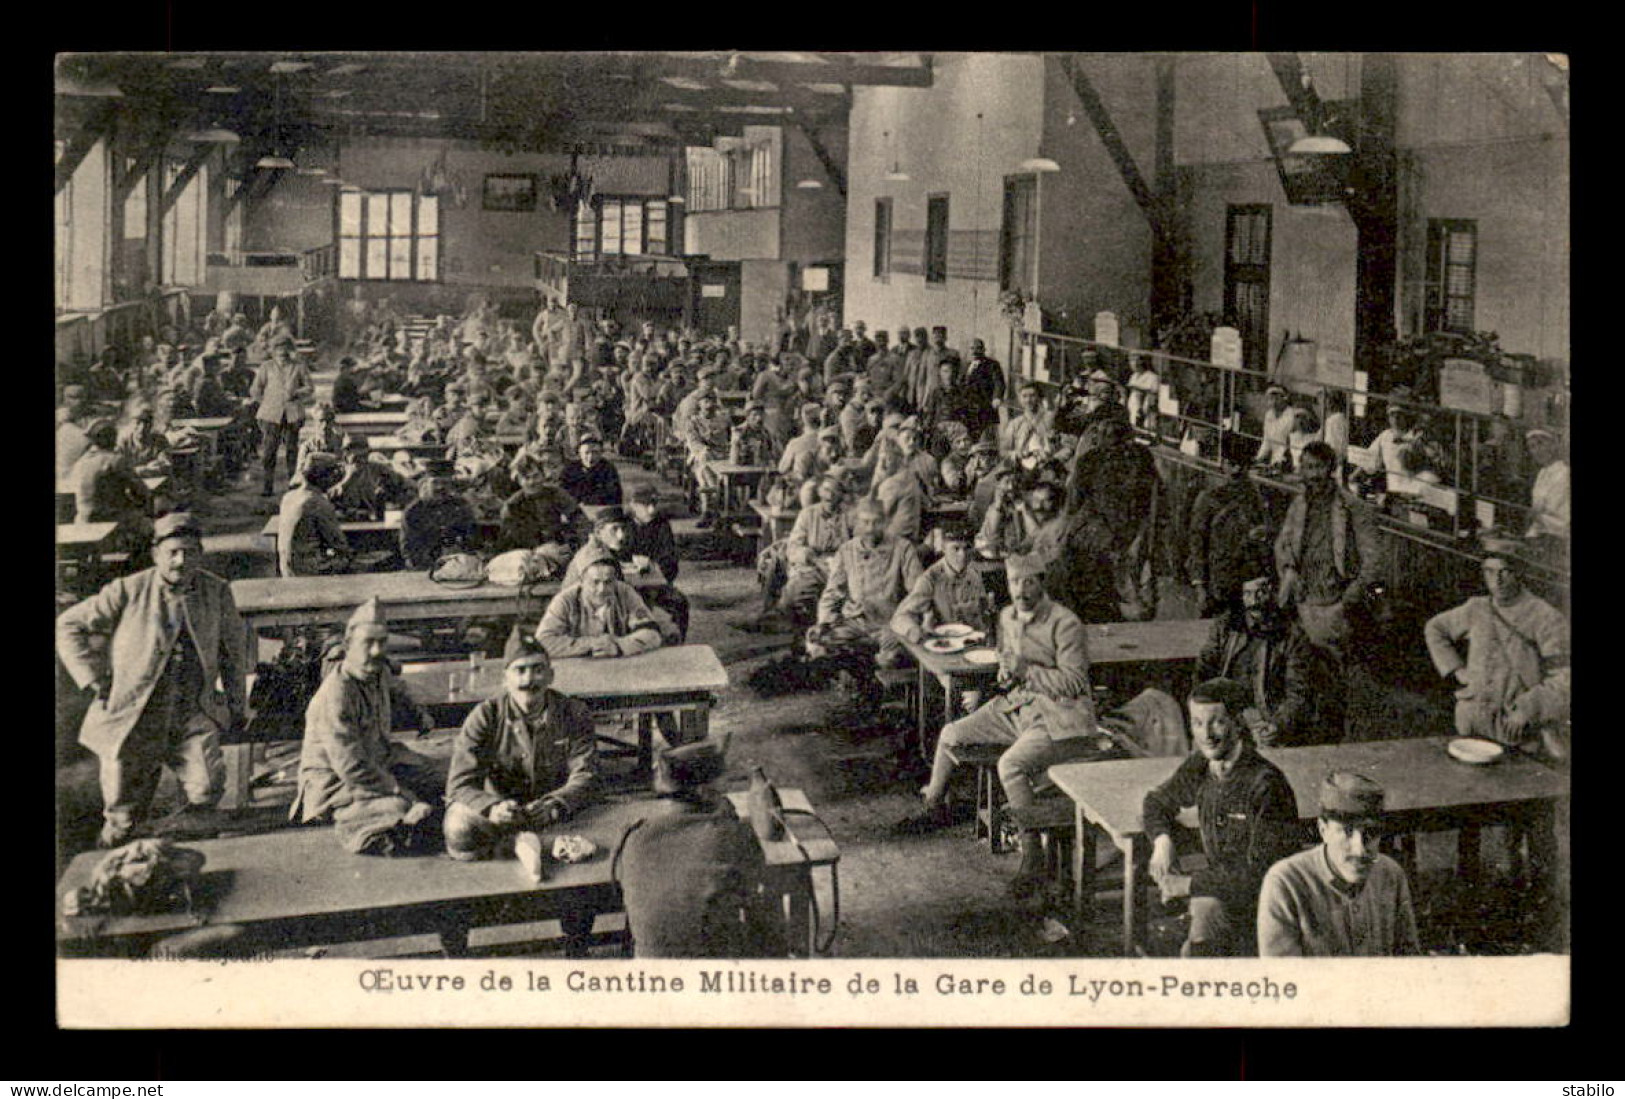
<point x="733" y="234"/>
<point x="295" y="215"/>
<point x="934" y="135"/>
<point x="813" y="228"/>
<point x="87" y="244"/>
<point x="763" y="287"/>
<point x="1094" y="241"/>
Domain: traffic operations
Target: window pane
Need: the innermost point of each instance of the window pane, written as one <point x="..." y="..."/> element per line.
<point x="350" y="213"/>
<point x="400" y="214"/>
<point x="377" y="215"/>
<point x="400" y="257"/>
<point x="349" y="258"/>
<point x="377" y="258"/>
<point x="611" y="221"/>
<point x="632" y="233"/>
<point x="429" y="215"/>
<point x="428" y="253"/>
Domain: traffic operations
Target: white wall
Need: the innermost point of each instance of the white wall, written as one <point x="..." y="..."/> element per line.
<point x="937" y="139"/>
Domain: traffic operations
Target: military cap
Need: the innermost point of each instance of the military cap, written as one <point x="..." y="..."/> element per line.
<point x="370" y="613"/>
<point x="522" y="646"/>
<point x="688" y="766"/>
<point x="610" y="514"/>
<point x="177" y="524"/>
<point x="1347" y="795"/>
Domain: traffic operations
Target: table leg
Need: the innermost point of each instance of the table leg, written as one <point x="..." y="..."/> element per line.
<point x="454" y="941"/>
<point x="920" y="697"/>
<point x="1083" y="866"/>
<point x="1467" y="851"/>
<point x="239" y="759"/>
<point x="801" y="934"/>
<point x="1134" y="903"/>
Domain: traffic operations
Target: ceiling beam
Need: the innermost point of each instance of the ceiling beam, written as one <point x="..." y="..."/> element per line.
<point x="1305" y="103"/>
<point x="83" y="140"/>
<point x="193" y="164"/>
<point x="1116" y="147"/>
<point x="157" y="142"/>
<point x="831" y="167"/>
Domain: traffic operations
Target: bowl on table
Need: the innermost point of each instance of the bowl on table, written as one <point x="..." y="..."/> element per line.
<point x="1476" y="750"/>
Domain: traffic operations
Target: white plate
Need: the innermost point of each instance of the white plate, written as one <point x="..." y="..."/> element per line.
<point x="953" y="629"/>
<point x="944" y="644"/>
<point x="1470" y="749"/>
<point x="981" y="656"/>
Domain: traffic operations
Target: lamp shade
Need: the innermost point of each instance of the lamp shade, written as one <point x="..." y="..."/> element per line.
<point x="1038" y="164"/>
<point x="678" y="200"/>
<point x="897" y="176"/>
<point x="1319" y="144"/>
<point x="809" y="185"/>
<point x="214" y="135"/>
<point x="273" y="162"/>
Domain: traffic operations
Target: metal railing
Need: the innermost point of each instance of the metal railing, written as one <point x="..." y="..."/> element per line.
<point x="1465" y="472"/>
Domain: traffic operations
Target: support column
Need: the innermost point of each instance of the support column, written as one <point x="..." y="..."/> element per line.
<point x="1374" y="204"/>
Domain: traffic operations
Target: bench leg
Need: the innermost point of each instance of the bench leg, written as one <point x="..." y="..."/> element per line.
<point x="454" y="941"/>
<point x="1083" y="867"/>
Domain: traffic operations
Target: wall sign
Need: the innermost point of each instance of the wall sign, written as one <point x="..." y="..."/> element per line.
<point x="713" y="290"/>
<point x="510" y="193"/>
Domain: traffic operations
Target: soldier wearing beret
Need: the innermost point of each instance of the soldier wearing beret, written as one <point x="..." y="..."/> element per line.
<point x="379" y="795"/>
<point x="167" y="680"/>
<point x="1342" y="898"/>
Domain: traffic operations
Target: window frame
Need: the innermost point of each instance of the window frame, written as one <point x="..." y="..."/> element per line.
<point x="621" y="202"/>
<point x="884" y="210"/>
<point x="366" y="236"/>
<point x="934" y="260"/>
<point x="1026" y="280"/>
<point x="1436" y="296"/>
<point x="1237" y="274"/>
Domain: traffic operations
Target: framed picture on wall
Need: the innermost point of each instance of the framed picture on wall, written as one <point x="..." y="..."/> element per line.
<point x="515" y="193"/>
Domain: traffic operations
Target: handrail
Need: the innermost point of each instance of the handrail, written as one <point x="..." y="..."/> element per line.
<point x="1210" y="404"/>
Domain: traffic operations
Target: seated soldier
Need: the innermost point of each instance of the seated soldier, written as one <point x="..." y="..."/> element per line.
<point x="949" y="592"/>
<point x="1298" y="691"/>
<point x="439" y="521"/>
<point x="366" y="489"/>
<point x="1023" y="520"/>
<point x="319" y="433"/>
<point x="652" y="535"/>
<point x="708" y="439"/>
<point x="869" y="576"/>
<point x="379" y="795"/>
<point x="522" y="761"/>
<point x="591" y="478"/>
<point x="1046" y="715"/>
<point x="812" y="419"/>
<point x="107" y="490"/>
<point x="612" y="539"/>
<point x="952" y="469"/>
<point x="1341" y="899"/>
<point x="900" y="495"/>
<point x="692" y="874"/>
<point x="820" y="529"/>
<point x="1248" y="817"/>
<point x="310" y="541"/>
<point x="752" y="445"/>
<point x="600" y="616"/>
<point x="146" y="450"/>
<point x="541" y="516"/>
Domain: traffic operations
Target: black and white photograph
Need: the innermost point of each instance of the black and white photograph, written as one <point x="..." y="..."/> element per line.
<point x="785" y="538"/>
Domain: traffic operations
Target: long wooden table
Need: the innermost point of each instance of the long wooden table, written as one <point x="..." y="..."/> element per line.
<point x="1426" y="791"/>
<point x="1108" y="643"/>
<point x="392" y="443"/>
<point x="83" y="539"/>
<point x="370" y="423"/>
<point x="681" y="680"/>
<point x="296" y="887"/>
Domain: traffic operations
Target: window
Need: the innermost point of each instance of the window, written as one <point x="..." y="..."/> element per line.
<point x="618" y="226"/>
<point x="183" y="239"/>
<point x="882" y="237"/>
<point x="936" y="238"/>
<point x="710" y="180"/>
<point x="391" y="235"/>
<point x="64" y="238"/>
<point x="1019" y="235"/>
<point x="1247" y="281"/>
<point x="1451" y="275"/>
